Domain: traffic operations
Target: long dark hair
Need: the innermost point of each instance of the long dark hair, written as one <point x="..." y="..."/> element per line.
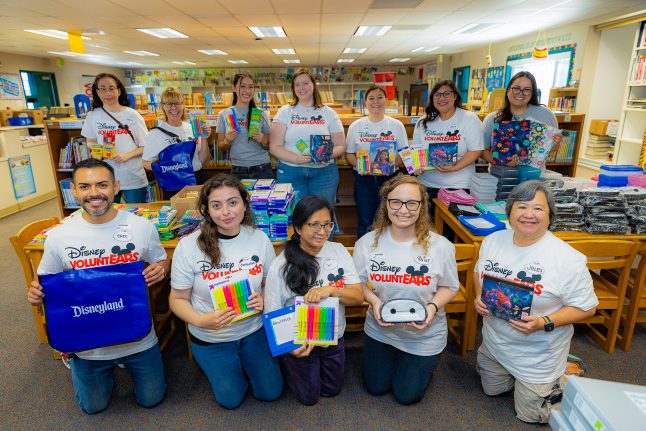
<point x="431" y="112"/>
<point x="238" y="79"/>
<point x="208" y="241"/>
<point x="505" y="113"/>
<point x="123" y="94"/>
<point x="301" y="268"/>
<point x="318" y="100"/>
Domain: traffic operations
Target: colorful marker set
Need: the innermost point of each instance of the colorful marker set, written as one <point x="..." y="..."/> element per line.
<point x="363" y="161"/>
<point x="232" y="120"/>
<point x="197" y="120"/>
<point x="315" y="324"/>
<point x="234" y="294"/>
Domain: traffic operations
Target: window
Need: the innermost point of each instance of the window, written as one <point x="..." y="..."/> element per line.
<point x="25" y="83"/>
<point x="550" y="72"/>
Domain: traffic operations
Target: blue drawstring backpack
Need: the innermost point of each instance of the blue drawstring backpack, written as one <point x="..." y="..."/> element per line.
<point x="96" y="307"/>
<point x="174" y="170"/>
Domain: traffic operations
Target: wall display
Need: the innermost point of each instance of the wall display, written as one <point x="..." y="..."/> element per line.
<point x="22" y="177"/>
<point x="11" y="87"/>
<point x="494" y="78"/>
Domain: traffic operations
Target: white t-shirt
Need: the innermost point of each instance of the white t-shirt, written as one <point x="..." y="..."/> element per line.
<point x="80" y="244"/>
<point x="537" y="113"/>
<point x="401" y="270"/>
<point x="250" y="251"/>
<point x="463" y="127"/>
<point x="334" y="261"/>
<point x="303" y="122"/>
<point x="157" y="141"/>
<point x="97" y="124"/>
<point x="363" y="131"/>
<point x="560" y="278"/>
<point x="245" y="151"/>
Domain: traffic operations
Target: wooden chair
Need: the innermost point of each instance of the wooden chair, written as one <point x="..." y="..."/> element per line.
<point x="460" y="312"/>
<point x="19" y="241"/>
<point x="607" y="255"/>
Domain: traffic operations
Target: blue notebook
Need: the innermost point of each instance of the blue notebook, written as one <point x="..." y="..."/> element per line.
<point x="279" y="327"/>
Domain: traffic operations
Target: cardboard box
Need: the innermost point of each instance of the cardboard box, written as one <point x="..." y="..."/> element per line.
<point x="5" y="114"/>
<point x="182" y="203"/>
<point x="600" y="127"/>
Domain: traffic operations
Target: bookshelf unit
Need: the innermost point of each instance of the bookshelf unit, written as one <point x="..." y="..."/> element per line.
<point x="632" y="119"/>
<point x="563" y="99"/>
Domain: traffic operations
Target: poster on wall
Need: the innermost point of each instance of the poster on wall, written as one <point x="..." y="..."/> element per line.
<point x="22" y="177"/>
<point x="85" y="85"/>
<point x="11" y="87"/>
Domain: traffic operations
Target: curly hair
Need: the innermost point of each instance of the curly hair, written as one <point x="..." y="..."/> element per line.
<point x="208" y="241"/>
<point x="423" y="225"/>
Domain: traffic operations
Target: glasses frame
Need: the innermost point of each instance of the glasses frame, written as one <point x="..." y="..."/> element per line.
<point x="518" y="90"/>
<point x="445" y="95"/>
<point x="316" y="227"/>
<point x="107" y="90"/>
<point x="176" y="104"/>
<point x="404" y="203"/>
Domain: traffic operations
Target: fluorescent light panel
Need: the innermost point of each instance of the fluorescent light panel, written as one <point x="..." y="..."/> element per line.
<point x="354" y="50"/>
<point x="398" y="60"/>
<point x="142" y="53"/>
<point x="268" y="31"/>
<point x="417" y="49"/>
<point x="283" y="51"/>
<point x="163" y="33"/>
<point x="212" y="52"/>
<point x="58" y="34"/>
<point x="291" y="61"/>
<point x="238" y="62"/>
<point x="66" y="53"/>
<point x="184" y="62"/>
<point x="372" y="30"/>
<point x="345" y="60"/>
<point x="474" y="28"/>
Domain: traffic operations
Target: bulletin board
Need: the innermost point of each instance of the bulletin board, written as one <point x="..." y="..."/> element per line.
<point x="11" y="87"/>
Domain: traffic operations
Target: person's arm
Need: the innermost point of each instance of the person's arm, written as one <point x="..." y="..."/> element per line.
<point x="226" y="139"/>
<point x="563" y="316"/>
<point x="338" y="139"/>
<point x="352" y="159"/>
<point x="375" y="303"/>
<point x="155" y="272"/>
<point x="480" y="306"/>
<point x="277" y="146"/>
<point x="203" y="151"/>
<point x="180" y="304"/>
<point x="261" y="138"/>
<point x="443" y="296"/>
<point x="350" y="294"/>
<point x="124" y="157"/>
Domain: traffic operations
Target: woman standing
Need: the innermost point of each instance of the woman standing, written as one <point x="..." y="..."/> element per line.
<point x="315" y="268"/>
<point x="377" y="126"/>
<point x="173" y="129"/>
<point x="530" y="355"/>
<point x="402" y="258"/>
<point x="521" y="103"/>
<point x="456" y="131"/>
<point x="113" y="123"/>
<point x="232" y="355"/>
<point x="291" y="133"/>
<point x="249" y="155"/>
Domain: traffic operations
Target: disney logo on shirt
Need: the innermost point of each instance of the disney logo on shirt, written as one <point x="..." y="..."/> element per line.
<point x="84" y="257"/>
<point x="530" y="277"/>
<point x="381" y="272"/>
<point x="433" y="136"/>
<point x="369" y="137"/>
<point x="212" y="272"/>
<point x="299" y="119"/>
<point x="337" y="279"/>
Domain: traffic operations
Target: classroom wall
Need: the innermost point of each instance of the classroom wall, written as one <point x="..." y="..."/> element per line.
<point x="67" y="77"/>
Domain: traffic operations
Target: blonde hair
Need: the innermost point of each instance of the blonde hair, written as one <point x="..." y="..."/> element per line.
<point x="423" y="225"/>
<point x="172" y="95"/>
<point x="318" y="100"/>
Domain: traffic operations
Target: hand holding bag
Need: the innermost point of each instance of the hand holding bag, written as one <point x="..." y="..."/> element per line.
<point x="174" y="170"/>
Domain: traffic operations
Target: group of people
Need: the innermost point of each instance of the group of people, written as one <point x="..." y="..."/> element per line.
<point x="398" y="257"/>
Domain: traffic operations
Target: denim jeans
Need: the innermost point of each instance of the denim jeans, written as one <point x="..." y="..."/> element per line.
<point x="257" y="172"/>
<point x="366" y="196"/>
<point x="311" y="181"/>
<point x="93" y="379"/>
<point x="234" y="365"/>
<point x="386" y="368"/>
<point x="134" y="196"/>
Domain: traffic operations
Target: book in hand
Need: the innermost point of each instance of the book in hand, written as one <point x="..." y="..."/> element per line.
<point x="321" y="148"/>
<point x="443" y="154"/>
<point x="382" y="157"/>
<point x="255" y="121"/>
<point x="506" y="299"/>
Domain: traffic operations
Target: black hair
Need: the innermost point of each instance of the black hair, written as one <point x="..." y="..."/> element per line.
<point x="123" y="94"/>
<point x="526" y="191"/>
<point x="375" y="88"/>
<point x="91" y="163"/>
<point x="431" y="112"/>
<point x="301" y="268"/>
<point x="238" y="78"/>
<point x="505" y="114"/>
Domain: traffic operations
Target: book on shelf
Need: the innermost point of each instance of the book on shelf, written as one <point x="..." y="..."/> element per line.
<point x="69" y="201"/>
<point x="638" y="71"/>
<point x="563" y="103"/>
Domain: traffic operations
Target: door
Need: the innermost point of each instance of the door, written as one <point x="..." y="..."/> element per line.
<point x="40" y="89"/>
<point x="461" y="80"/>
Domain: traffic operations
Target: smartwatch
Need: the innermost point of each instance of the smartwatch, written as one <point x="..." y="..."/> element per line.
<point x="549" y="325"/>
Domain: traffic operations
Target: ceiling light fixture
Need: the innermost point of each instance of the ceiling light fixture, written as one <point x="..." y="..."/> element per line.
<point x="66" y="53"/>
<point x="345" y="60"/>
<point x="163" y="33"/>
<point x="296" y="61"/>
<point x="398" y="60"/>
<point x="354" y="50"/>
<point x="417" y="49"/>
<point x="142" y="53"/>
<point x="238" y="62"/>
<point x="184" y="62"/>
<point x="474" y="28"/>
<point x="268" y="31"/>
<point x="432" y="49"/>
<point x="372" y="30"/>
<point x="58" y="34"/>
<point x="283" y="51"/>
<point x="212" y="52"/>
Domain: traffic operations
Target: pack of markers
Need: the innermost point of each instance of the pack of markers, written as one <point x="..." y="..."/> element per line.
<point x="233" y="292"/>
<point x="316" y="323"/>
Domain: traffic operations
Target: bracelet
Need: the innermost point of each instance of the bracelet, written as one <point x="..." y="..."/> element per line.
<point x="434" y="305"/>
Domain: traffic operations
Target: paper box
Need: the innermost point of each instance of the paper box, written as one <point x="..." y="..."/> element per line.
<point x="182" y="203"/>
<point x="599" y="127"/>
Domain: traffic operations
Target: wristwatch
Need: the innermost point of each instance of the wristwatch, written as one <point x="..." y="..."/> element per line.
<point x="549" y="325"/>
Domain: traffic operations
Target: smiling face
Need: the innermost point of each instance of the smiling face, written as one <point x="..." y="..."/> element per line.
<point x="245" y="89"/>
<point x="108" y="91"/>
<point x="94" y="189"/>
<point x="444" y="101"/>
<point x="174" y="110"/>
<point x="312" y="240"/>
<point x="403" y="218"/>
<point x="520" y="101"/>
<point x="530" y="219"/>
<point x="376" y="102"/>
<point x="303" y="88"/>
<point x="227" y="209"/>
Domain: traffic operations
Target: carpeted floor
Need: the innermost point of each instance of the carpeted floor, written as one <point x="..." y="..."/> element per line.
<point x="36" y="391"/>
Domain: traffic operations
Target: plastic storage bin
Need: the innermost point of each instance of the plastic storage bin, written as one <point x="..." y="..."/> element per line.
<point x="612" y="181"/>
<point x="637" y="180"/>
<point x="620" y="170"/>
<point x="20" y="121"/>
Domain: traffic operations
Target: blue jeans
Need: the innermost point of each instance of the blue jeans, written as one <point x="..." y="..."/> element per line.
<point x="134" y="196"/>
<point x="311" y="181"/>
<point x="257" y="172"/>
<point x="93" y="379"/>
<point x="366" y="196"/>
<point x="234" y="365"/>
<point x="386" y="368"/>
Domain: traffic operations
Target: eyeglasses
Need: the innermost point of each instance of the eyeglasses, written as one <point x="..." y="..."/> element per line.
<point x="518" y="90"/>
<point x="317" y="226"/>
<point x="395" y="204"/>
<point x="107" y="89"/>
<point x="173" y="105"/>
<point x="446" y="95"/>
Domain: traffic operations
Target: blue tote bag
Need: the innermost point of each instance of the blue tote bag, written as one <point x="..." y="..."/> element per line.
<point x="96" y="307"/>
<point x="174" y="170"/>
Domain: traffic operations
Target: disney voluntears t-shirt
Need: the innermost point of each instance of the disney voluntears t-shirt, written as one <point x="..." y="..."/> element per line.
<point x="97" y="124"/>
<point x="245" y="151"/>
<point x="335" y="269"/>
<point x="560" y="278"/>
<point x="464" y="128"/>
<point x="401" y="270"/>
<point x="363" y="131"/>
<point x="303" y="122"/>
<point x="536" y="113"/>
<point x="78" y="244"/>
<point x="250" y="252"/>
<point x="157" y="141"/>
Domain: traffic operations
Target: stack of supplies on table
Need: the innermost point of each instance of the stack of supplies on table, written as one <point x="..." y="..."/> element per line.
<point x="637" y="180"/>
<point x="495" y="208"/>
<point x="272" y="207"/>
<point x="526" y="173"/>
<point x="248" y="183"/>
<point x="605" y="210"/>
<point x="617" y="175"/>
<point x="482" y="225"/>
<point x="483" y="187"/>
<point x="457" y="196"/>
<point x="508" y="178"/>
<point x="165" y="221"/>
<point x="635" y="208"/>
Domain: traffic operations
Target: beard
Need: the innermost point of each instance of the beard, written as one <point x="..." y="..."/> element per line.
<point x="100" y="211"/>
